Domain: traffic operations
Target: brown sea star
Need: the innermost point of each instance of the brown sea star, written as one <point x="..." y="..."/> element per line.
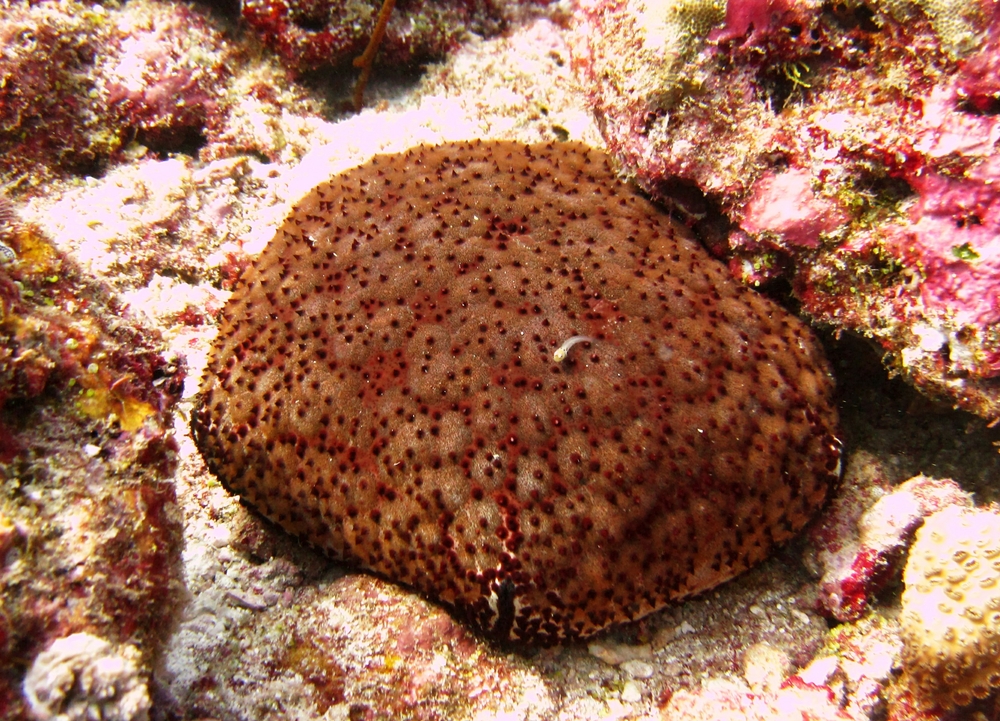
<point x="384" y="386"/>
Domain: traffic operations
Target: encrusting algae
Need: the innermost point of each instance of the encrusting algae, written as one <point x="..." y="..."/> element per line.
<point x="386" y="386"/>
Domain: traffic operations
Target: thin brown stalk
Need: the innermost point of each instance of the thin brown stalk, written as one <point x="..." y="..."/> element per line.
<point x="366" y="59"/>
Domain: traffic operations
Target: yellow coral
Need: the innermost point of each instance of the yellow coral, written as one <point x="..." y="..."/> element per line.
<point x="690" y="18"/>
<point x="646" y="44"/>
<point x="957" y="23"/>
<point x="951" y="607"/>
<point x="103" y="404"/>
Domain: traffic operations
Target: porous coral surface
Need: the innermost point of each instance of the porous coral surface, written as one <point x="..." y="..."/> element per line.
<point x="951" y="607"/>
<point x="392" y="383"/>
<point x="81" y="677"/>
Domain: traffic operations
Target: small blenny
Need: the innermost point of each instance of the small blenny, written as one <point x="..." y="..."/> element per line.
<point x="8" y="225"/>
<point x="382" y="386"/>
<point x="562" y="351"/>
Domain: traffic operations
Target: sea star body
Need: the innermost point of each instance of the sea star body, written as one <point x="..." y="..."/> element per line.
<point x="385" y="386"/>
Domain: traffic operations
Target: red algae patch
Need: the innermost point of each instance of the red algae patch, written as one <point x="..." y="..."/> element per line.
<point x="496" y="374"/>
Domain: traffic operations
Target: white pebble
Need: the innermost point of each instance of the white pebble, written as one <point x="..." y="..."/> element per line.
<point x="637" y="669"/>
<point x="219" y="536"/>
<point x="685" y="627"/>
<point x="631" y="693"/>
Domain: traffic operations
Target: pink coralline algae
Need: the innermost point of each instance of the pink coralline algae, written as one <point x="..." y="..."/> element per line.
<point x="80" y="83"/>
<point x="307" y="34"/>
<point x="848" y="147"/>
<point x="164" y="74"/>
<point x="859" y="544"/>
<point x="724" y="699"/>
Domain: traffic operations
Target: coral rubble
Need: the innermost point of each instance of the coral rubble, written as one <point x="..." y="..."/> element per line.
<point x="724" y="699"/>
<point x="861" y="542"/>
<point x="81" y="677"/>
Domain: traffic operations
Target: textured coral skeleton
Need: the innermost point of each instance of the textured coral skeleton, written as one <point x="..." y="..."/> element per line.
<point x="387" y="386"/>
<point x="81" y="677"/>
<point x="951" y="607"/>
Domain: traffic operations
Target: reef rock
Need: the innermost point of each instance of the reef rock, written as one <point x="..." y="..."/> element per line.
<point x="81" y="677"/>
<point x="307" y="34"/>
<point x="849" y="147"/>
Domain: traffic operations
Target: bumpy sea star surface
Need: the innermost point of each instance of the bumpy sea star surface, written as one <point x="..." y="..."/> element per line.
<point x="385" y="386"/>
